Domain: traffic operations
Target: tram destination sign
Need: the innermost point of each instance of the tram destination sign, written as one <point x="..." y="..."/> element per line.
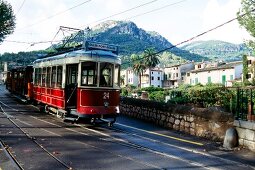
<point x="101" y="46"/>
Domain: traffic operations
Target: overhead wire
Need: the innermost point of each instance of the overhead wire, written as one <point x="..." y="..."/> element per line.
<point x="20" y="7"/>
<point x="122" y="12"/>
<point x="56" y="14"/>
<point x="194" y="37"/>
<point x="165" y="6"/>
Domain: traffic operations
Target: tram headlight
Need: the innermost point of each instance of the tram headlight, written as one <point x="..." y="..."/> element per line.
<point x="117" y="109"/>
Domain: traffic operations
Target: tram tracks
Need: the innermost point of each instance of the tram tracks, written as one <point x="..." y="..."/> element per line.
<point x="10" y="118"/>
<point x="107" y="136"/>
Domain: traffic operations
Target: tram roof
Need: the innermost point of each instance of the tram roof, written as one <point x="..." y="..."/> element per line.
<point x="81" y="53"/>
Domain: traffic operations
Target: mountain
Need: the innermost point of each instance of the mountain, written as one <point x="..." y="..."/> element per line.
<point x="217" y="50"/>
<point x="132" y="39"/>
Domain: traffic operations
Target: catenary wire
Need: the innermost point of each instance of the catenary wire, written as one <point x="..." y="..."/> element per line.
<point x="122" y="12"/>
<point x="54" y="15"/>
<point x="192" y="38"/>
<point x="20" y="7"/>
<point x="165" y="6"/>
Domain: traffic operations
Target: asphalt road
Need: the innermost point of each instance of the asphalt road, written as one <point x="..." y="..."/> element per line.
<point x="34" y="140"/>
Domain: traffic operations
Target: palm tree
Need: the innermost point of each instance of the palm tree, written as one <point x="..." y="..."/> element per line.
<point x="138" y="66"/>
<point x="151" y="59"/>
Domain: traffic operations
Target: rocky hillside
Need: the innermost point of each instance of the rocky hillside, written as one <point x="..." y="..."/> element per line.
<point x="217" y="50"/>
<point x="134" y="40"/>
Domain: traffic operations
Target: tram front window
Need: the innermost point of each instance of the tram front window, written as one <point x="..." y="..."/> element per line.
<point x="106" y="74"/>
<point x="89" y="74"/>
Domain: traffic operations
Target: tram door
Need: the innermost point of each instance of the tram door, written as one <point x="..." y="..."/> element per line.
<point x="71" y="85"/>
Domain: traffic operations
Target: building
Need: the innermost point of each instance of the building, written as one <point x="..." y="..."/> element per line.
<point x="152" y="77"/>
<point x="223" y="73"/>
<point x="250" y="64"/>
<point x="174" y="75"/>
<point x="130" y="78"/>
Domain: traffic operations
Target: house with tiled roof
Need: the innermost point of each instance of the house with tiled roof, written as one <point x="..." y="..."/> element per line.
<point x="222" y="73"/>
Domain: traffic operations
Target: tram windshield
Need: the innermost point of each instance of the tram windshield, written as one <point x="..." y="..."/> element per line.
<point x="106" y="75"/>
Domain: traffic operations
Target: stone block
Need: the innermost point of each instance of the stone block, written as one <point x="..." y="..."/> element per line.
<point x="241" y="142"/>
<point x="240" y="132"/>
<point x="192" y="119"/>
<point x="182" y="128"/>
<point x="187" y="124"/>
<point x="249" y="135"/>
<point x="163" y="117"/>
<point x="250" y="144"/>
<point x="244" y="124"/>
<point x="192" y="125"/>
<point x="171" y="120"/>
<point x="192" y="131"/>
<point x="170" y="125"/>
<point x="177" y="122"/>
<point x="188" y="118"/>
<point x="182" y="122"/>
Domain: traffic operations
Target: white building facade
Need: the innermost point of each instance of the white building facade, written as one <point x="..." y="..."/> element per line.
<point x="130" y="78"/>
<point x="152" y="77"/>
<point x="224" y="74"/>
<point x="174" y="75"/>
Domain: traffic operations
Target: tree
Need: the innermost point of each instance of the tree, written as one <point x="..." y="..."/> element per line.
<point x="138" y="67"/>
<point x="150" y="59"/>
<point x="248" y="20"/>
<point x="7" y="20"/>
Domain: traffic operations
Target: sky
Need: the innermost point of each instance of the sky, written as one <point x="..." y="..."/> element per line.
<point x="38" y="21"/>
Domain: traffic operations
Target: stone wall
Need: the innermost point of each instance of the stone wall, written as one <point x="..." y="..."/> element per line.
<point x="246" y="133"/>
<point x="210" y="123"/>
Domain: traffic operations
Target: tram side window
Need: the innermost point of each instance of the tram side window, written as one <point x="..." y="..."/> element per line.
<point x="117" y="75"/>
<point x="89" y="74"/>
<point x="48" y="76"/>
<point x="39" y="77"/>
<point x="53" y="76"/>
<point x="106" y="71"/>
<point x="59" y="76"/>
<point x="43" y="77"/>
<point x="36" y="76"/>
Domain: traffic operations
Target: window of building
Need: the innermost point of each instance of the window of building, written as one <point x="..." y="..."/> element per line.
<point x="196" y="80"/>
<point x="248" y="76"/>
<point x="188" y="74"/>
<point x="176" y="74"/>
<point x="231" y="77"/>
<point x="249" y="62"/>
<point x="152" y="78"/>
<point x="209" y="80"/>
<point x="199" y="66"/>
<point x="223" y="79"/>
<point x="89" y="74"/>
<point x="158" y="78"/>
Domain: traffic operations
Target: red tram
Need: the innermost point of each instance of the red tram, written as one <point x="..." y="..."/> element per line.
<point x="83" y="83"/>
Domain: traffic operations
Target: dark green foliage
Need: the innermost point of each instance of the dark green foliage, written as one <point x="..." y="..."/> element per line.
<point x="152" y="89"/>
<point x="144" y="103"/>
<point x="245" y="70"/>
<point x="7" y="20"/>
<point x="248" y="21"/>
<point x="203" y="96"/>
<point x="158" y="96"/>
